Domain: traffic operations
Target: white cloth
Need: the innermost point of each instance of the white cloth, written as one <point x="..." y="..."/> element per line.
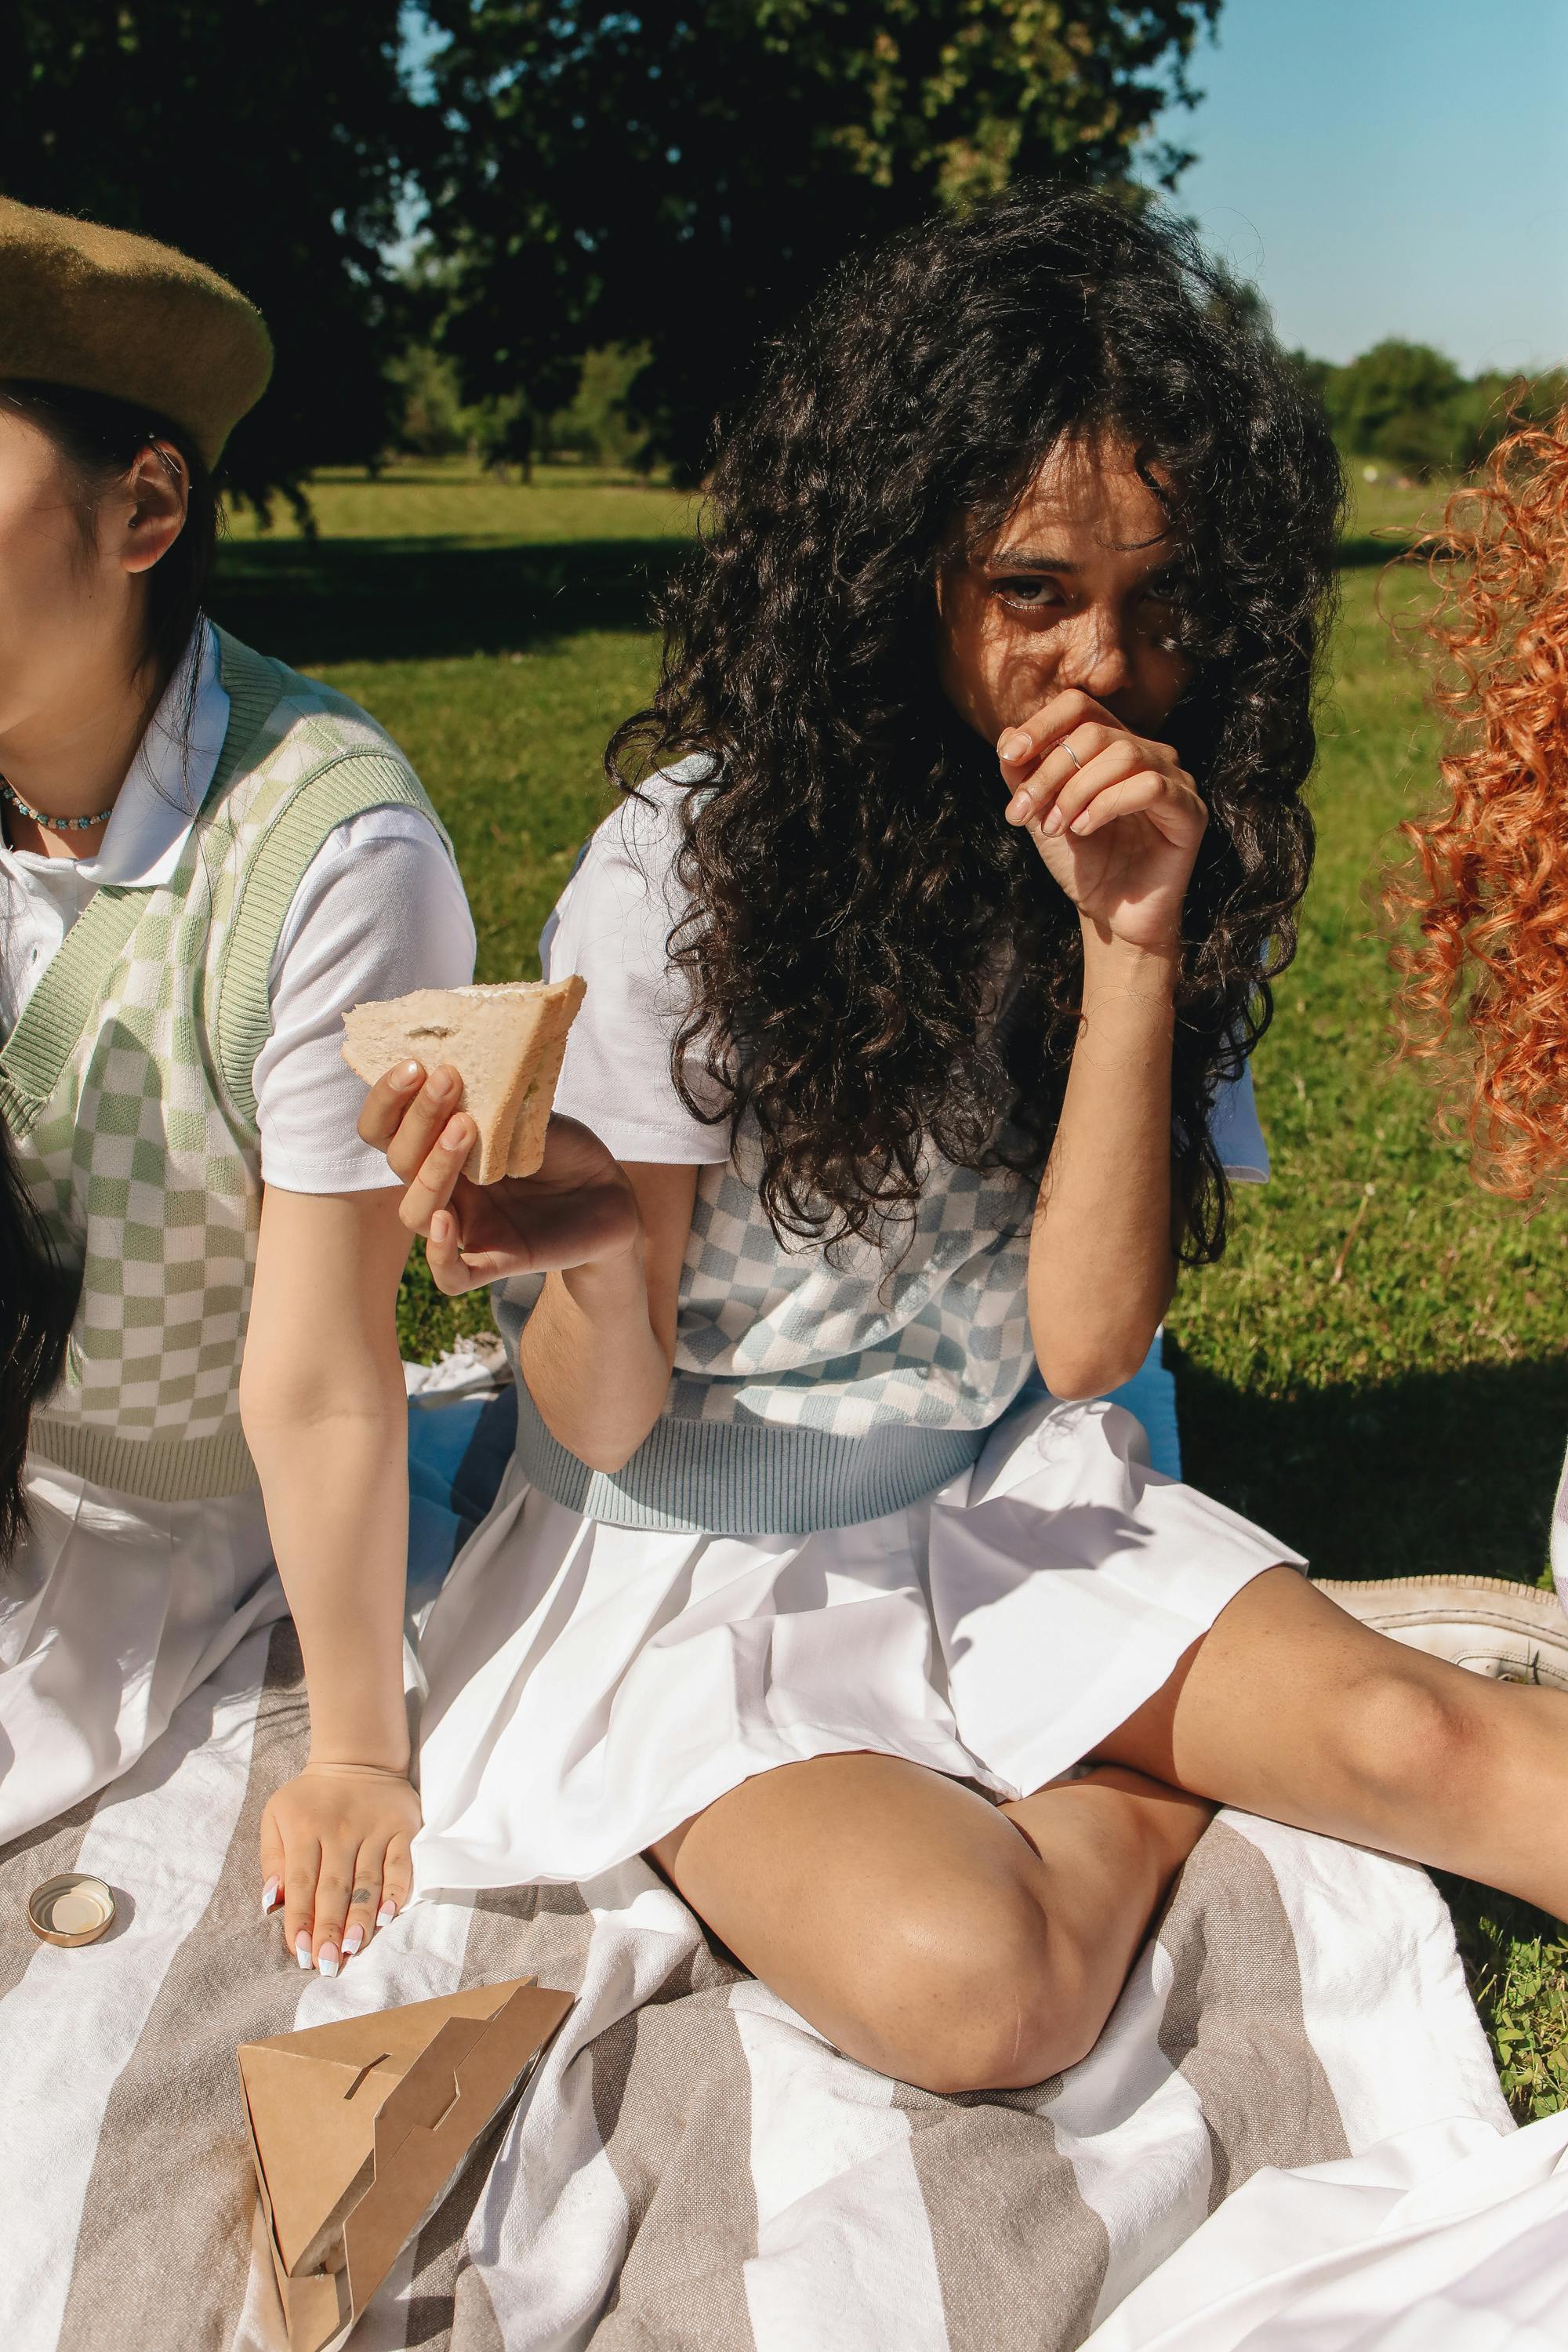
<point x="590" y="1686"/>
<point x="379" y="911"/>
<point x="111" y="1612"/>
<point x="1451" y="2237"/>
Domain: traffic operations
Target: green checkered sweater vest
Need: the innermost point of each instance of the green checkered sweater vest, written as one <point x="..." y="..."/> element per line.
<point x="126" y="1085"/>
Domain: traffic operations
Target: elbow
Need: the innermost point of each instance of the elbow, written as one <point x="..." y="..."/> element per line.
<point x="276" y="1413"/>
<point x="607" y="1452"/>
<point x="1077" y="1376"/>
<point x="602" y="1450"/>
<point x="608" y="1459"/>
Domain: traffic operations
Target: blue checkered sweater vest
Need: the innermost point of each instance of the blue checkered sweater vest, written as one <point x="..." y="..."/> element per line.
<point x="808" y="1393"/>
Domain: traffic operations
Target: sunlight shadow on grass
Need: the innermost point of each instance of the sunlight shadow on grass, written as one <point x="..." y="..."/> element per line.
<point x="427" y="599"/>
<point x="1450" y="1471"/>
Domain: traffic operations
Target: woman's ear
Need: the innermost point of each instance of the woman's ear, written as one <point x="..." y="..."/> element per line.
<point x="152" y="503"/>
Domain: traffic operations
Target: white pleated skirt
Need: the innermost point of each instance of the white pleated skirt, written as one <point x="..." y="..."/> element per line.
<point x="111" y="1612"/>
<point x="592" y="1686"/>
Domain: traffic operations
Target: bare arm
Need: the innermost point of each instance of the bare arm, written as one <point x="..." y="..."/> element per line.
<point x="609" y="1239"/>
<point x="321" y="1399"/>
<point x="1101" y="1266"/>
<point x="597" y="1350"/>
<point x="1118" y="821"/>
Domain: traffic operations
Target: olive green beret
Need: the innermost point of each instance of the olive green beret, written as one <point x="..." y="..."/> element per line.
<point x="103" y="311"/>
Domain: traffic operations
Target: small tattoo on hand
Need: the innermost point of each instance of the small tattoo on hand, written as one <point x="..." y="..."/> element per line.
<point x="363" y="1895"/>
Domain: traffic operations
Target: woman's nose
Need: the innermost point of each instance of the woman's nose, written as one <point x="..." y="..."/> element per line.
<point x="1095" y="658"/>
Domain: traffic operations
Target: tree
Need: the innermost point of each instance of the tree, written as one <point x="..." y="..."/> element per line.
<point x="274" y="142"/>
<point x="1399" y="401"/>
<point x="434" y="422"/>
<point x="685" y="177"/>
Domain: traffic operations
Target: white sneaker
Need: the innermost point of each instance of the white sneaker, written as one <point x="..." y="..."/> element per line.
<point x="1513" y="1633"/>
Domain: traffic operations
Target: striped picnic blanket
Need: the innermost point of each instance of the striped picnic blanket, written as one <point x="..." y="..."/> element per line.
<point x="692" y="2168"/>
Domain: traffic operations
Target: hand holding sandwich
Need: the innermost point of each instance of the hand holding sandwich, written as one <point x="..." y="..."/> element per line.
<point x="576" y="1209"/>
<point x="462" y="1084"/>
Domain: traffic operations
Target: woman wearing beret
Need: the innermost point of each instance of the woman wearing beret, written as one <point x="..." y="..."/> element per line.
<point x="205" y="859"/>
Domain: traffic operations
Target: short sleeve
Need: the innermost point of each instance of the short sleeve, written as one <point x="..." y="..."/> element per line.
<point x="612" y="926"/>
<point x="1235" y="1132"/>
<point x="380" y="911"/>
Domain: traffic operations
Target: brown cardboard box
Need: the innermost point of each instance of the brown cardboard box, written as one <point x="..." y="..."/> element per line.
<point x="359" y="2129"/>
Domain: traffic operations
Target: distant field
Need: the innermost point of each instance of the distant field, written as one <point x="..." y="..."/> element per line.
<point x="1377" y="1372"/>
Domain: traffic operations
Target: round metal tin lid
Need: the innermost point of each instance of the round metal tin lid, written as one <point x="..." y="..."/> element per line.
<point x="70" y="1909"/>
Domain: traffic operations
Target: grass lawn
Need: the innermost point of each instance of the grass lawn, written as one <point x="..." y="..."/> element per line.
<point x="1377" y="1372"/>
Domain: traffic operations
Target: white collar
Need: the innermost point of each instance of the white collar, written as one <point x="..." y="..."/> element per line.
<point x="167" y="779"/>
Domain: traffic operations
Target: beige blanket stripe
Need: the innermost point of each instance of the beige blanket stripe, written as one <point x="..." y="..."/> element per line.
<point x="671" y="2093"/>
<point x="1234" y="2018"/>
<point x="1031" y="2271"/>
<point x="173" y="2168"/>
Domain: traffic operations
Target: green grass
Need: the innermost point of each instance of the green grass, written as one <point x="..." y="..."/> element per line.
<point x="1376" y="1371"/>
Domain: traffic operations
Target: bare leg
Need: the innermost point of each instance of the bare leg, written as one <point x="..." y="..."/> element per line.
<point x="955" y="1945"/>
<point x="925" y="1932"/>
<point x="1289" y="1708"/>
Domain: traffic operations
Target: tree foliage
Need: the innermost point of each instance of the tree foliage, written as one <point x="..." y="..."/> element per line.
<point x="685" y="177"/>
<point x="272" y="140"/>
<point x="1410" y="405"/>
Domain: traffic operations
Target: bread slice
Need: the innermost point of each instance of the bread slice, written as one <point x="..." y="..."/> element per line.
<point x="504" y="1043"/>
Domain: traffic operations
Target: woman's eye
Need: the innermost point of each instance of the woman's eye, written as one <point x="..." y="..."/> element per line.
<point x="1032" y="593"/>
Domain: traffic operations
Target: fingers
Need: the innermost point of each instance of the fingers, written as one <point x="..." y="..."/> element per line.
<point x="403" y="1117"/>
<point x="301" y="1869"/>
<point x="431" y="1184"/>
<point x="396" y="1881"/>
<point x="271" y="1857"/>
<point x="334" y="1886"/>
<point x="452" y="1273"/>
<point x="1101" y="775"/>
<point x="1179" y="817"/>
<point x="387" y="1103"/>
<point x="365" y="1900"/>
<point x="1067" y="763"/>
<point x="1018" y="746"/>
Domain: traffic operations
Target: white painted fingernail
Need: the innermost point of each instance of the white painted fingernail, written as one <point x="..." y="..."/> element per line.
<point x="328" y="1962"/>
<point x="353" y="1940"/>
<point x="303" y="1949"/>
<point x="270" y="1894"/>
<point x="387" y="1913"/>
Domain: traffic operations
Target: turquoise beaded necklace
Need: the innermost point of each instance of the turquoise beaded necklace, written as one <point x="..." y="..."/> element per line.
<point x="55" y="824"/>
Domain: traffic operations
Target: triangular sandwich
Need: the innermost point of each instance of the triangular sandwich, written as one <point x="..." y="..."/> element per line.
<point x="505" y="1043"/>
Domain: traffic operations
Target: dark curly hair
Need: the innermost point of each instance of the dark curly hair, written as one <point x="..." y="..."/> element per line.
<point x="852" y="879"/>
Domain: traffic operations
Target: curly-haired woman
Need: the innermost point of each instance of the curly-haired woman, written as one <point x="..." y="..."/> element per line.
<point x="1485" y="995"/>
<point x="964" y="834"/>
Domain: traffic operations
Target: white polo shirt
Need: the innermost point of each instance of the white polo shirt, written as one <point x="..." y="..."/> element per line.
<point x="379" y="911"/>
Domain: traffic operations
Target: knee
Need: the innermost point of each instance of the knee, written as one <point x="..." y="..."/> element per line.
<point x="970" y="1991"/>
<point x="1408" y="1726"/>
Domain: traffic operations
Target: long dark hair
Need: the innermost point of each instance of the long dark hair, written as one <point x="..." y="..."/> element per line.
<point x="851" y="875"/>
<point x="40" y="1295"/>
<point x="99" y="439"/>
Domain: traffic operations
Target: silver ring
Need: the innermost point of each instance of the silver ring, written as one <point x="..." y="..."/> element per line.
<point x="1072" y="755"/>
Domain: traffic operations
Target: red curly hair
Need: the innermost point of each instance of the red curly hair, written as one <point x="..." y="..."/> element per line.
<point x="1488" y="882"/>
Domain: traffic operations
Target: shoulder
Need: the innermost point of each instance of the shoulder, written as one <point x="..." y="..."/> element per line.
<point x="629" y="859"/>
<point x="623" y="896"/>
<point x="644" y="832"/>
<point x="288" y="722"/>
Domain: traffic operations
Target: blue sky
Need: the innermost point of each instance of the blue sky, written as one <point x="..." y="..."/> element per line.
<point x="1391" y="167"/>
